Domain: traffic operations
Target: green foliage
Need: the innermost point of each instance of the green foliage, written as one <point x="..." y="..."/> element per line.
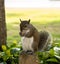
<point x="10" y="54"/>
<point x="50" y="57"/>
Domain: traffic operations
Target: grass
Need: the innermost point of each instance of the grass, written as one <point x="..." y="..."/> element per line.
<point x="42" y="19"/>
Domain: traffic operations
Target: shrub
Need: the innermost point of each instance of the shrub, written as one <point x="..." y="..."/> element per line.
<point x="10" y="54"/>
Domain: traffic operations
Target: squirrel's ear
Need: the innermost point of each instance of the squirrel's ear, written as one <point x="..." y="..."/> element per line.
<point x="20" y="20"/>
<point x="29" y="21"/>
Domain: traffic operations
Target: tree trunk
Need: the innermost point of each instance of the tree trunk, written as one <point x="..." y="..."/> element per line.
<point x="28" y="59"/>
<point x="3" y="35"/>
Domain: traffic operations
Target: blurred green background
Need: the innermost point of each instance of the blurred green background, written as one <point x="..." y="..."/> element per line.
<point x="42" y="18"/>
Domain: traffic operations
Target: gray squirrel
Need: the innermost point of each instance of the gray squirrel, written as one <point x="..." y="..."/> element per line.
<point x="31" y="39"/>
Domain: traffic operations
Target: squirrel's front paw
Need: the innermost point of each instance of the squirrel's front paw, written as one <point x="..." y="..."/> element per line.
<point x="30" y="52"/>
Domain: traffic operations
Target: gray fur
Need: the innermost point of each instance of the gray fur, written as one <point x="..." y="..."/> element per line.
<point x="45" y="40"/>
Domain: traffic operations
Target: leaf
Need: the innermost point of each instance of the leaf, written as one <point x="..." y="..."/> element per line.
<point x="15" y="42"/>
<point x="52" y="60"/>
<point x="57" y="56"/>
<point x="3" y="63"/>
<point x="4" y="48"/>
<point x="8" y="52"/>
<point x="51" y="52"/>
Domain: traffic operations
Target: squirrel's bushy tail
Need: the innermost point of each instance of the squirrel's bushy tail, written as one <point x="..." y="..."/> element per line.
<point x="45" y="40"/>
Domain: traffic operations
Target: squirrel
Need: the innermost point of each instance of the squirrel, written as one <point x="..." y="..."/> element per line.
<point x="33" y="40"/>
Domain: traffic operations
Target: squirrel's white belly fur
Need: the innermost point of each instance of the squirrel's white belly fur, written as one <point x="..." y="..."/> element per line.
<point x="27" y="43"/>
